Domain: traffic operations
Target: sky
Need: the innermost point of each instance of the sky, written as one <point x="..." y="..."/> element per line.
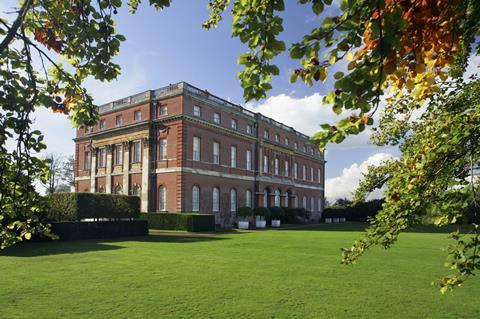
<point x="170" y="46"/>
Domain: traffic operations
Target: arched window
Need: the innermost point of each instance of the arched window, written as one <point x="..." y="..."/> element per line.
<point x="215" y="199"/>
<point x="162" y="198"/>
<point x="233" y="200"/>
<point x="195" y="198"/>
<point x="304" y="202"/>
<point x="248" y="198"/>
<point x="277" y="197"/>
<point x="136" y="190"/>
<point x="286" y="200"/>
<point x="312" y="204"/>
<point x="118" y="189"/>
<point x="265" y="198"/>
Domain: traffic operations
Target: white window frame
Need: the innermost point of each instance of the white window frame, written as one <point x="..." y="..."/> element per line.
<point x="102" y="157"/>
<point x="304" y="202"/>
<point x="266" y="134"/>
<point x="162" y="145"/>
<point x="265" y="198"/>
<point x="277" y="198"/>
<point x="102" y="124"/>
<point x="277" y="138"/>
<point x="233" y="200"/>
<point x="162" y="198"/>
<point x="118" y="120"/>
<point x="312" y="178"/>
<point x="197" y="142"/>
<point x="304" y="172"/>
<point x="286" y="200"/>
<point x="234" y="124"/>
<point x="295" y="170"/>
<point x="287" y="168"/>
<point x="135" y="115"/>
<point x="216" y="153"/>
<point x="233" y="156"/>
<point x="248" y="198"/>
<point x="287" y="141"/>
<point x="137" y="152"/>
<point x="319" y="172"/>
<point x="118" y="154"/>
<point x="295" y="145"/>
<point x="87" y="161"/>
<point x="312" y="204"/>
<point x="277" y="166"/>
<point x="195" y="198"/>
<point x="217" y="118"/>
<point x="197" y="111"/>
<point x="265" y="163"/>
<point x="163" y="110"/>
<point x="249" y="129"/>
<point x="215" y="200"/>
<point x="249" y="160"/>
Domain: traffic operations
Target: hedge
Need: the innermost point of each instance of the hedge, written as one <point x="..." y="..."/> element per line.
<point x="277" y="212"/>
<point x="192" y="222"/>
<point x="359" y="212"/>
<point x="78" y="206"/>
<point x="94" y="230"/>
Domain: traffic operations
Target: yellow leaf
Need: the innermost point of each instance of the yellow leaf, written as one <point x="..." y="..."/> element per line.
<point x="349" y="56"/>
<point x="444" y="290"/>
<point x="333" y="58"/>
<point x="28" y="236"/>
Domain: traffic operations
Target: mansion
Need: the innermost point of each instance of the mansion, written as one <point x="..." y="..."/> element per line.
<point x="184" y="149"/>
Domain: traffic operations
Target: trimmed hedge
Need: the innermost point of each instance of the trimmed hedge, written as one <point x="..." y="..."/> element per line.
<point x="261" y="211"/>
<point x="276" y="212"/>
<point x="192" y="222"/>
<point x="78" y="206"/>
<point x="93" y="230"/>
<point x="245" y="212"/>
<point x="359" y="212"/>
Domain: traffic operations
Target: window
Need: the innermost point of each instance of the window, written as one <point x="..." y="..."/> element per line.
<point x="277" y="198"/>
<point x="163" y="110"/>
<point x="87" y="161"/>
<point x="265" y="163"/>
<point x="103" y="124"/>
<point x="287" y="168"/>
<point x="233" y="200"/>
<point x="277" y="138"/>
<point x="311" y="174"/>
<point x="195" y="198"/>
<point x="304" y="173"/>
<point x="265" y="198"/>
<point x="216" y="118"/>
<point x="196" y="148"/>
<point x="118" y="154"/>
<point x="295" y="146"/>
<point x="249" y="160"/>
<point x="249" y="129"/>
<point x="319" y="204"/>
<point x="163" y="149"/>
<point x="118" y="120"/>
<point x="304" y="149"/>
<point x="304" y="202"/>
<point x="277" y="166"/>
<point x="233" y="156"/>
<point x="216" y="153"/>
<point x="266" y="134"/>
<point x="286" y="200"/>
<point x="312" y="204"/>
<point x="136" y="191"/>
<point x="215" y="199"/>
<point x="137" y="115"/>
<point x="102" y="157"/>
<point x="234" y="124"/>
<point x="311" y="150"/>
<point x="295" y="170"/>
<point x="248" y="198"/>
<point x="118" y="190"/>
<point x="162" y="199"/>
<point x="137" y="152"/>
<point x="88" y="129"/>
<point x="287" y="141"/>
<point x="319" y="174"/>
<point x="197" y="111"/>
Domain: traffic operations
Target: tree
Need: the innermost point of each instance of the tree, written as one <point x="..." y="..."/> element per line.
<point x="68" y="172"/>
<point x="54" y="175"/>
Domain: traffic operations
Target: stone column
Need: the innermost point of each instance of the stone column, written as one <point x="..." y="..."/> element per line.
<point x="93" y="170"/>
<point x="108" y="183"/>
<point x="126" y="167"/>
<point x="145" y="174"/>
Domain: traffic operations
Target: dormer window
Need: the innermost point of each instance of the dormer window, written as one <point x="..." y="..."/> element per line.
<point x="234" y="124"/>
<point x="295" y="146"/>
<point x="118" y="120"/>
<point x="287" y="141"/>
<point x="277" y="138"/>
<point x="197" y="111"/>
<point x="216" y="118"/>
<point x="266" y="134"/>
<point x="249" y="129"/>
<point x="137" y="116"/>
<point x="304" y="149"/>
<point x="102" y="124"/>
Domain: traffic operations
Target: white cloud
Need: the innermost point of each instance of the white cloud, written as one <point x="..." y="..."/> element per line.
<point x="344" y="185"/>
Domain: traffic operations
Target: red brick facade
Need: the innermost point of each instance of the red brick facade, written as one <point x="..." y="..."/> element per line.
<point x="182" y="149"/>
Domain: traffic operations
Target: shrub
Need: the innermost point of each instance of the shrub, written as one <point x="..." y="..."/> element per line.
<point x="276" y="212"/>
<point x="193" y="222"/>
<point x="245" y="212"/>
<point x="104" y="229"/>
<point x="359" y="212"/>
<point x="77" y="206"/>
<point x="290" y="216"/>
<point x="261" y="211"/>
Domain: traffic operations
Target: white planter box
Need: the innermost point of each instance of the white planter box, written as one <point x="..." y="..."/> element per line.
<point x="243" y="225"/>
<point x="328" y="220"/>
<point x="276" y="223"/>
<point x="260" y="223"/>
<point x="343" y="219"/>
<point x="336" y="220"/>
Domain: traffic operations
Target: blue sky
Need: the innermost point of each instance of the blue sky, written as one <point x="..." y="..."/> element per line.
<point x="170" y="46"/>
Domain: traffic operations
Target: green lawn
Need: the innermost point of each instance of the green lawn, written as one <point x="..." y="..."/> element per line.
<point x="262" y="274"/>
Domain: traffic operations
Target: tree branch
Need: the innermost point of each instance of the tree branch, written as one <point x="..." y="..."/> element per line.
<point x="16" y="24"/>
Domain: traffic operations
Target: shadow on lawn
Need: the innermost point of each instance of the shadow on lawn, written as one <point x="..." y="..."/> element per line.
<point x="360" y="227"/>
<point x="57" y="247"/>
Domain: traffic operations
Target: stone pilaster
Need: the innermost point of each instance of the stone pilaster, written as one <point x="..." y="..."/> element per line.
<point x="126" y="167"/>
<point x="108" y="183"/>
<point x="145" y="174"/>
<point x="93" y="170"/>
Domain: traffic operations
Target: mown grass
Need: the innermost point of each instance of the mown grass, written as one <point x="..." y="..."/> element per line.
<point x="263" y="274"/>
